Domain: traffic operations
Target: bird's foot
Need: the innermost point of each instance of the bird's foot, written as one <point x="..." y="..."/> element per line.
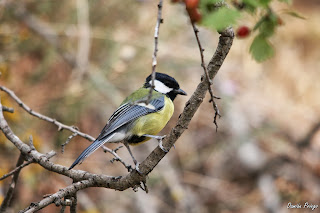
<point x="160" y="138"/>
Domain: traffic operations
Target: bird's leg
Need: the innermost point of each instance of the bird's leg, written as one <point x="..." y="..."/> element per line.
<point x="136" y="163"/>
<point x="159" y="139"/>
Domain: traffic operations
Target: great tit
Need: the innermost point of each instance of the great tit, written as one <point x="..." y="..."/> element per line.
<point x="138" y="119"/>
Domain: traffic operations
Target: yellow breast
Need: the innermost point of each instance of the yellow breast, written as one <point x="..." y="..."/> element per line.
<point x="153" y="123"/>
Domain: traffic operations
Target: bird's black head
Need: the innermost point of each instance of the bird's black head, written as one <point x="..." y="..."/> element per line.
<point x="165" y="84"/>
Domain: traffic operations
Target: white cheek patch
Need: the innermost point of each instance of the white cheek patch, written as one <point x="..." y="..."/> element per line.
<point x="150" y="106"/>
<point x="160" y="87"/>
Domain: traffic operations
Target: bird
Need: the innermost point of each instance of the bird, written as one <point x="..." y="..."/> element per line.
<point x="139" y="117"/>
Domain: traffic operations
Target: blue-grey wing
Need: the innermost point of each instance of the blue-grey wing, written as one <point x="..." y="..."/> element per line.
<point x="125" y="114"/>
<point x="129" y="112"/>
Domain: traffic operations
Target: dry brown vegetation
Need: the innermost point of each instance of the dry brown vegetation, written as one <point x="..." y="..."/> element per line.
<point x="264" y="155"/>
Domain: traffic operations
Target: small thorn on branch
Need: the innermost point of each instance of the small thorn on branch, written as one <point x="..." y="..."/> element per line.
<point x="216" y="114"/>
<point x="116" y="149"/>
<point x="31" y="143"/>
<point x="26" y="163"/>
<point x="68" y="140"/>
<point x="209" y="81"/>
<point x="117" y="157"/>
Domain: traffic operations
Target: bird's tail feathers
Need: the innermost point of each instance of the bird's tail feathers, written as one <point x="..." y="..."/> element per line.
<point x="90" y="149"/>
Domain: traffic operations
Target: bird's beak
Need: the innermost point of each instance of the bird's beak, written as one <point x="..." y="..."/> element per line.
<point x="180" y="92"/>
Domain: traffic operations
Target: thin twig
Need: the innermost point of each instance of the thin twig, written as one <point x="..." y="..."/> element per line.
<point x="58" y="195"/>
<point x="43" y="117"/>
<point x="16" y="169"/>
<point x="305" y="142"/>
<point x="31" y="143"/>
<point x="119" y="159"/>
<point x="67" y="141"/>
<point x="203" y="65"/>
<point x="132" y="179"/>
<point x="63" y="208"/>
<point x="154" y="56"/>
<point x="7" y="199"/>
<point x="57" y="123"/>
<point x="73" y="206"/>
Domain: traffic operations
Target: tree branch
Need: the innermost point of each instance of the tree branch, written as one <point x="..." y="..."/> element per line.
<point x="154" y="56"/>
<point x="56" y="197"/>
<point x="84" y="179"/>
<point x="192" y="105"/>
<point x="7" y="199"/>
<point x="209" y="81"/>
<point x="43" y="117"/>
<point x="16" y="169"/>
<point x="60" y="125"/>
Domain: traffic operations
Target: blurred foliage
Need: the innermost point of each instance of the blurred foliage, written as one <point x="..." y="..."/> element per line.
<point x="217" y="16"/>
<point x="268" y="109"/>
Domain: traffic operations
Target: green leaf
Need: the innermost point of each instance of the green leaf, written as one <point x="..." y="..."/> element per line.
<point x="261" y="49"/>
<point x="286" y="1"/>
<point x="294" y="14"/>
<point x="221" y="19"/>
<point x="251" y="5"/>
<point x="267" y="24"/>
<point x="212" y="1"/>
<point x="264" y="3"/>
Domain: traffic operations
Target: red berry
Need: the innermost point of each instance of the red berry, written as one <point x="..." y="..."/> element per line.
<point x="191" y="4"/>
<point x="243" y="31"/>
<point x="279" y="21"/>
<point x="194" y="14"/>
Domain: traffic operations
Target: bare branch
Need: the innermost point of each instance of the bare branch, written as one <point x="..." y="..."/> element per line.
<point x="62" y="126"/>
<point x="209" y="81"/>
<point x="56" y="197"/>
<point x="16" y="169"/>
<point x="117" y="158"/>
<point x="7" y="199"/>
<point x="305" y="142"/>
<point x="77" y="175"/>
<point x="67" y="141"/>
<point x="73" y="207"/>
<point x="31" y="143"/>
<point x="63" y="208"/>
<point x="133" y="179"/>
<point x="43" y="117"/>
<point x="154" y="56"/>
<point x="192" y="105"/>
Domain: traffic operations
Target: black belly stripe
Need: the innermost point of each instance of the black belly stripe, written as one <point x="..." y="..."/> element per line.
<point x="135" y="139"/>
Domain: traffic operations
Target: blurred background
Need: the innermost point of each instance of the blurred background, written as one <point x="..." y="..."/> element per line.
<point x="76" y="60"/>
